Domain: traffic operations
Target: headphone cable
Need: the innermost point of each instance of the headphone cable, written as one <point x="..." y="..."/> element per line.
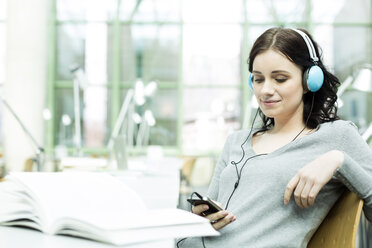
<point x="239" y="173"/>
<point x="262" y="154"/>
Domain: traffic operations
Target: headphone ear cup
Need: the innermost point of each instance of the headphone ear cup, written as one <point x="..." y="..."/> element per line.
<point x="250" y="81"/>
<point x="313" y="78"/>
<point x="304" y="81"/>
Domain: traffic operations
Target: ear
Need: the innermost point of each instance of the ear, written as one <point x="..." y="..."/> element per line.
<point x="250" y="81"/>
<point x="305" y="76"/>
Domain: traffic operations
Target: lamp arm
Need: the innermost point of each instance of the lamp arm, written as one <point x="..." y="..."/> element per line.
<point x="120" y="120"/>
<point x="344" y="86"/>
<point x="368" y="133"/>
<point x="141" y="133"/>
<point x="39" y="149"/>
<point x="77" y="137"/>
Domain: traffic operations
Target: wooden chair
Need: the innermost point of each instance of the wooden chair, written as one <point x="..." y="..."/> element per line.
<point x="187" y="168"/>
<point x="29" y="164"/>
<point x="185" y="187"/>
<point x="339" y="228"/>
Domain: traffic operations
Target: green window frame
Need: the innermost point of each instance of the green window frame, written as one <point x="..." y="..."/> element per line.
<point x="250" y="29"/>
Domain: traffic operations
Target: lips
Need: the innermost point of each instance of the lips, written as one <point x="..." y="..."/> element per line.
<point x="270" y="103"/>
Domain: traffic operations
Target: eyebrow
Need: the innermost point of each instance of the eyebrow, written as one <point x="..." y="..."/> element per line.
<point x="280" y="71"/>
<point x="273" y="72"/>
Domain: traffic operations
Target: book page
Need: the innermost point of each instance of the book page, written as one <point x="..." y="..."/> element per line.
<point x="78" y="195"/>
<point x="133" y="227"/>
<point x="16" y="205"/>
<point x="99" y="206"/>
<point x="136" y="220"/>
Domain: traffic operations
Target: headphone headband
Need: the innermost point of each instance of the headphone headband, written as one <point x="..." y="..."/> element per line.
<point x="309" y="45"/>
<point x="313" y="77"/>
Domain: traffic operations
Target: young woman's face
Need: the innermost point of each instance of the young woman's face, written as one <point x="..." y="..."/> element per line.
<point x="277" y="85"/>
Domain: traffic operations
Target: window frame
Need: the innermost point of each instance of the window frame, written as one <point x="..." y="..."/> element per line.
<point x="116" y="85"/>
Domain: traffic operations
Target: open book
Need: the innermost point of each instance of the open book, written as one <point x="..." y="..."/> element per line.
<point x="91" y="205"/>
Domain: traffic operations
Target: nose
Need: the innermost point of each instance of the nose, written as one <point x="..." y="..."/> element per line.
<point x="267" y="87"/>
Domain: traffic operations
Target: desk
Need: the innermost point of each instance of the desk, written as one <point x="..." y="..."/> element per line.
<point x="158" y="186"/>
<point x="157" y="181"/>
<point x="158" y="189"/>
<point x="17" y="237"/>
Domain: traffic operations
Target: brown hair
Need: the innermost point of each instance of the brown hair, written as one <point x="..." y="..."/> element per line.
<point x="291" y="44"/>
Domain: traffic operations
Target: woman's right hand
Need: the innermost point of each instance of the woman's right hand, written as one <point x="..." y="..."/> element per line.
<point x="218" y="220"/>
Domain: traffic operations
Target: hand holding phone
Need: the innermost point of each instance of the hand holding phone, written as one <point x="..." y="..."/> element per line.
<point x="213" y="207"/>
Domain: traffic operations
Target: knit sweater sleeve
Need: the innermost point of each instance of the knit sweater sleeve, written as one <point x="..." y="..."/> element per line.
<point x="221" y="164"/>
<point x="356" y="170"/>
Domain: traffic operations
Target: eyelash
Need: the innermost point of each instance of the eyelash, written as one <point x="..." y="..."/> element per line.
<point x="258" y="80"/>
<point x="279" y="80"/>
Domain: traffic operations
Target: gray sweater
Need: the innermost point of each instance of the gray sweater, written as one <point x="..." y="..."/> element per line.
<point x="262" y="219"/>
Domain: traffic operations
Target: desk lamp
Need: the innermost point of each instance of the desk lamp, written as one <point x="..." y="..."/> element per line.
<point x="39" y="149"/>
<point x="361" y="81"/>
<point x="79" y="83"/>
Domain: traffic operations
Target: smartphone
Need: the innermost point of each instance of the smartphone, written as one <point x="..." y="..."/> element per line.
<point x="213" y="207"/>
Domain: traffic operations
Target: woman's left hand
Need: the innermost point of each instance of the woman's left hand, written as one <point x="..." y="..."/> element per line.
<point x="308" y="181"/>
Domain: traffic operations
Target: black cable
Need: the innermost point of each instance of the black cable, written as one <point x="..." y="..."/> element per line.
<point x="234" y="163"/>
<point x="179" y="241"/>
<point x="239" y="176"/>
<point x="307" y="119"/>
<point x="241" y="146"/>
<point x="203" y="242"/>
<point x="257" y="155"/>
<point x="239" y="173"/>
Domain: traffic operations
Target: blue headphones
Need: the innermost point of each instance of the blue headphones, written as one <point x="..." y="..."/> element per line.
<point x="313" y="77"/>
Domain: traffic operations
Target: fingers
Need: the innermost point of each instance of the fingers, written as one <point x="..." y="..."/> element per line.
<point x="298" y="192"/>
<point x="221" y="219"/>
<point x="307" y="183"/>
<point x="305" y="190"/>
<point x="304" y="195"/>
<point x="313" y="193"/>
<point x="199" y="209"/>
<point x="218" y="220"/>
<point x="289" y="189"/>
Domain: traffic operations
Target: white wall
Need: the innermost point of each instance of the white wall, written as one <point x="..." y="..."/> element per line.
<point x="26" y="70"/>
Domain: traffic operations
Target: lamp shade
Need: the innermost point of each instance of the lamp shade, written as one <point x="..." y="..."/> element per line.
<point x="363" y="80"/>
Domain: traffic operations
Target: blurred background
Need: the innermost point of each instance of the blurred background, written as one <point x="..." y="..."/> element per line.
<point x="155" y="78"/>
<point x="67" y="67"/>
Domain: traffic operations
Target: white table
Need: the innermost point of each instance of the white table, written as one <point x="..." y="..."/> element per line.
<point x="157" y="181"/>
<point x="17" y="237"/>
<point x="158" y="189"/>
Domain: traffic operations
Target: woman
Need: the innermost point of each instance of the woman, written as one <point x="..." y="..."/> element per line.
<point x="278" y="182"/>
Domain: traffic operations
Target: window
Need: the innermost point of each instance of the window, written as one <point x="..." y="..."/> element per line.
<point x="2" y="54"/>
<point x="197" y="57"/>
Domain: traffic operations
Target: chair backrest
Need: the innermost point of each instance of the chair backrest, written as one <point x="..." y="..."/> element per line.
<point x="29" y="164"/>
<point x="188" y="167"/>
<point x="340" y="226"/>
